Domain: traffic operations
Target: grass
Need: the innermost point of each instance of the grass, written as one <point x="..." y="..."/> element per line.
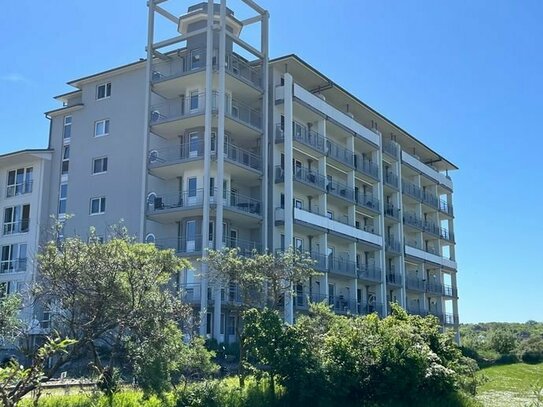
<point x="510" y="385"/>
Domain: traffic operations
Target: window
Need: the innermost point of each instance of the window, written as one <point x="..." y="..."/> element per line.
<point x="103" y="91"/>
<point x="99" y="165"/>
<point x="19" y="181"/>
<point x="330" y="214"/>
<point x="67" y="132"/>
<point x="211" y="231"/>
<point x="194" y="145"/>
<point x="211" y="186"/>
<point x="101" y="128"/>
<point x="190" y="235"/>
<point x="62" y="199"/>
<point x="194" y="100"/>
<point x="298" y="204"/>
<point x="192" y="187"/>
<point x="97" y="205"/>
<point x="196" y="59"/>
<point x="299" y="244"/>
<point x="16" y="219"/>
<point x="231" y="327"/>
<point x="13" y="258"/>
<point x="65" y="159"/>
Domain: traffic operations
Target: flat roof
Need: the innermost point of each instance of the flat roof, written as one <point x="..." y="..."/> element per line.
<point x="328" y="84"/>
<point x="7" y="158"/>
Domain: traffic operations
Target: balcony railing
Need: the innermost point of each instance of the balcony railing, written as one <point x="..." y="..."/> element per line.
<point x="411" y="189"/>
<point x="366" y="166"/>
<point x="343" y="305"/>
<point x="369" y="272"/>
<point x="391" y="211"/>
<point x="19" y="189"/>
<point x="340" y="190"/>
<point x="339" y="153"/>
<point x="303" y="175"/>
<point x="183" y="64"/>
<point x="434" y="288"/>
<point x="445" y="207"/>
<point x="416" y="310"/>
<point x="393" y="277"/>
<point x="450" y="291"/>
<point x="13" y="266"/>
<point x="430" y="199"/>
<point x="341" y="266"/>
<point x="446" y="235"/>
<point x="181" y="245"/>
<point x="391" y="148"/>
<point x="431" y="228"/>
<point x="320" y="261"/>
<point x="450" y="319"/>
<point x="366" y="308"/>
<point x="393" y="245"/>
<point x="243" y="157"/>
<point x="190" y="293"/>
<point x="367" y="201"/>
<point x="411" y="219"/>
<point x="304" y="136"/>
<point x="390" y="179"/>
<point x="194" y="105"/>
<point x="243" y="203"/>
<point x="20" y="226"/>
<point x="415" y="284"/>
<point x="245" y="247"/>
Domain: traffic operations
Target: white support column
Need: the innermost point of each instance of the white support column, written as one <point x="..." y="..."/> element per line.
<point x="147" y="104"/>
<point x="219" y="217"/>
<point x="265" y="145"/>
<point x="401" y="238"/>
<point x="289" y="186"/>
<point x="382" y="260"/>
<point x="207" y="164"/>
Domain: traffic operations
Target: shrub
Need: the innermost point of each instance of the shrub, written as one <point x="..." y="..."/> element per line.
<point x="531" y="351"/>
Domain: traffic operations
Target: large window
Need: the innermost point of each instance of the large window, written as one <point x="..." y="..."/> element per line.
<point x="62" y="199"/>
<point x="19" y="181"/>
<point x="97" y="205"/>
<point x="193" y="100"/>
<point x="67" y="131"/>
<point x="13" y="258"/>
<point x="101" y="128"/>
<point x="192" y="187"/>
<point x="99" y="165"/>
<point x="16" y="219"/>
<point x="65" y="159"/>
<point x="103" y="91"/>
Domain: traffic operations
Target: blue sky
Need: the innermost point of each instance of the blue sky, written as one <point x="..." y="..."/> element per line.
<point x="464" y="76"/>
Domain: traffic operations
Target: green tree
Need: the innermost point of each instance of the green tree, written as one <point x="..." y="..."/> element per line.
<point x="502" y="341"/>
<point x="115" y="299"/>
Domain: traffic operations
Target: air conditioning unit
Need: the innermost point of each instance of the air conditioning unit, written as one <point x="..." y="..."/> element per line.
<point x="156" y="116"/>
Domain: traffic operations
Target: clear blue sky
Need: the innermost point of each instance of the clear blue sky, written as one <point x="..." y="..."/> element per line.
<point x="464" y="76"/>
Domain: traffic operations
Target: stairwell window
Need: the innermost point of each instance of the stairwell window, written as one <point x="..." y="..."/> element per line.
<point x="67" y="130"/>
<point x="62" y="199"/>
<point x="65" y="159"/>
<point x="103" y="91"/>
<point x="101" y="128"/>
<point x="99" y="165"/>
<point x="98" y="206"/>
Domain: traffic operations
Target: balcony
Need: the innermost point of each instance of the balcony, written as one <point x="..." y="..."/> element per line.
<point x="366" y="308"/>
<point x="303" y="175"/>
<point x="450" y="291"/>
<point x="242" y="69"/>
<point x="341" y="191"/>
<point x="430" y="199"/>
<point x="369" y="272"/>
<point x="416" y="309"/>
<point x="366" y="167"/>
<point x="450" y="319"/>
<point x="340" y="266"/>
<point x="418" y="165"/>
<point x="190" y="293"/>
<point x="303" y="136"/>
<point x="340" y="154"/>
<point x="367" y="201"/>
<point x="446" y="235"/>
<point x="193" y="247"/>
<point x="392" y="212"/>
<point x="13" y="266"/>
<point x="394" y="278"/>
<point x="415" y="284"/>
<point x="393" y="245"/>
<point x="343" y="305"/>
<point x="445" y="208"/>
<point x="434" y="287"/>
<point x="320" y="261"/>
<point x="432" y="228"/>
<point x="390" y="179"/>
<point x="391" y="148"/>
<point x="20" y="226"/>
<point x="408" y="188"/>
<point x="430" y="254"/>
<point x="19" y="189"/>
<point x="163" y="115"/>
<point x="412" y="219"/>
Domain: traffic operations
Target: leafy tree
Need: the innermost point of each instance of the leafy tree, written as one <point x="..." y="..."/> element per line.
<point x="10" y="324"/>
<point x="114" y="298"/>
<point x="531" y="350"/>
<point x="502" y="341"/>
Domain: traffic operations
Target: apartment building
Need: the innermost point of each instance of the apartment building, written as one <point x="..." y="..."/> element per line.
<point x="209" y="144"/>
<point x="24" y="178"/>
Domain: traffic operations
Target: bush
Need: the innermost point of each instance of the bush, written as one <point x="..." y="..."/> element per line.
<point x="531" y="351"/>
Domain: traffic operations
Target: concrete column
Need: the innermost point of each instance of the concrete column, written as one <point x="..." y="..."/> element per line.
<point x="265" y="145"/>
<point x="401" y="265"/>
<point x="219" y="217"/>
<point x="207" y="165"/>
<point x="382" y="258"/>
<point x="289" y="186"/>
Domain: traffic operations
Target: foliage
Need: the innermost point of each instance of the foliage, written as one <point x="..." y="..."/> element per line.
<point x="335" y="359"/>
<point x="502" y="341"/>
<point x="16" y="381"/>
<point x="114" y="299"/>
<point x="531" y="350"/>
<point x="10" y="325"/>
<point x="121" y="399"/>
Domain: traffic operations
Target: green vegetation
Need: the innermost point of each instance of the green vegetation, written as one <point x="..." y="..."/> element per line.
<point x="511" y="385"/>
<point x="502" y="343"/>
